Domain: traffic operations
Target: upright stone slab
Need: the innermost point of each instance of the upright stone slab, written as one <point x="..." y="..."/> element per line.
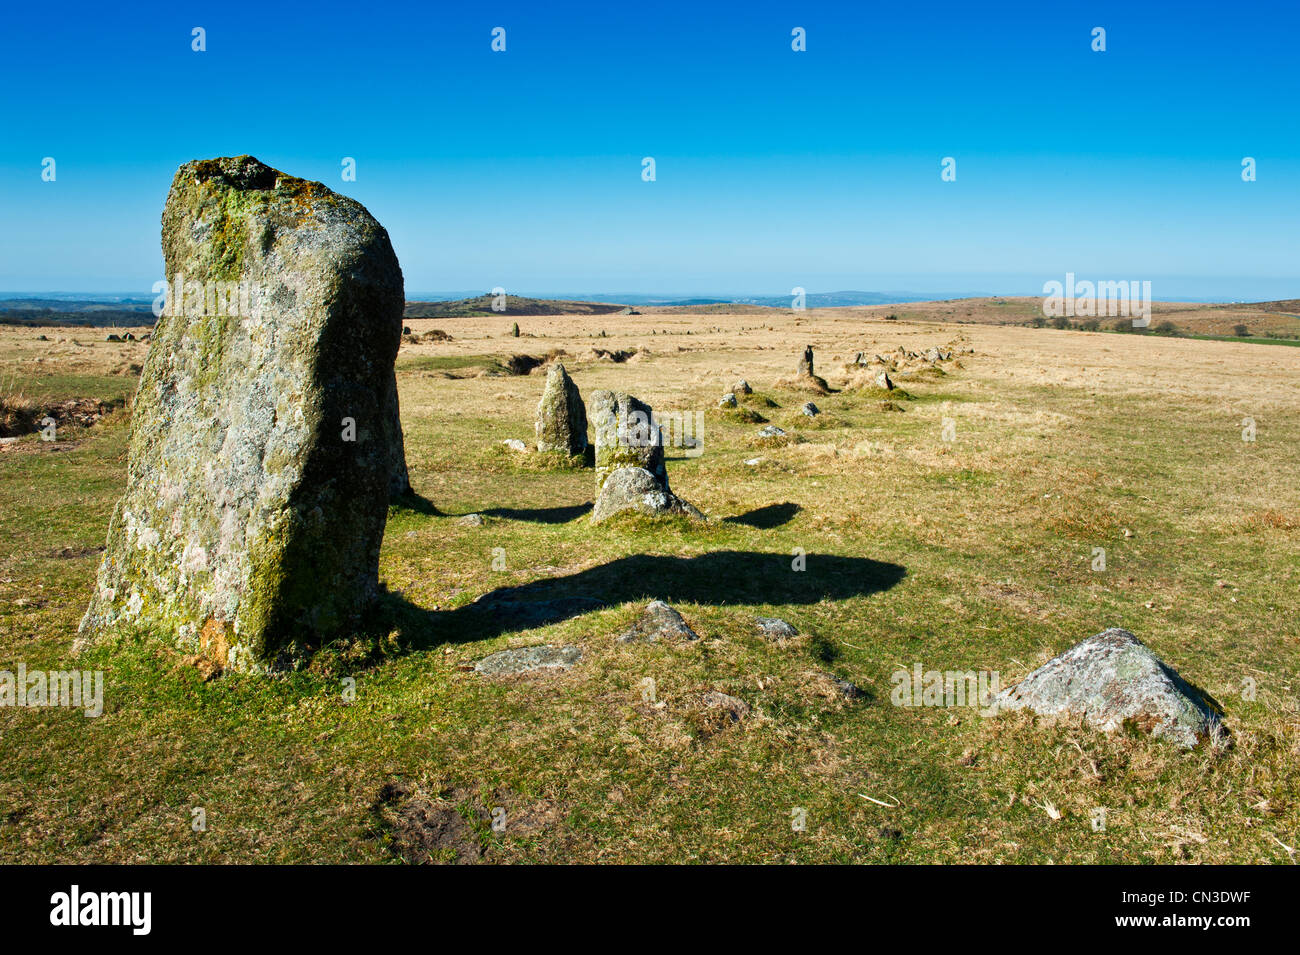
<point x="806" y="363"/>
<point x="265" y="435"/>
<point x="626" y="436"/>
<point x="561" y="415"/>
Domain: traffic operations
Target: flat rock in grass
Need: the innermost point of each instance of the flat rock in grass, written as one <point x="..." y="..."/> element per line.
<point x="527" y="659"/>
<point x="772" y="431"/>
<point x="810" y="409"/>
<point x="732" y="706"/>
<point x="658" y="622"/>
<point x="265" y="437"/>
<point x="1112" y="679"/>
<point x="774" y="628"/>
<point x="637" y="490"/>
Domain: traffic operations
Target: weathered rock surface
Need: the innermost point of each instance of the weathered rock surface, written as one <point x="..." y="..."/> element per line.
<point x="658" y="622"/>
<point x="728" y="400"/>
<point x="627" y="436"/>
<point x="810" y="410"/>
<point x="561" y="415"/>
<point x="636" y="489"/>
<point x="774" y="628"/>
<point x="265" y="436"/>
<point x="806" y="363"/>
<point x="526" y="659"/>
<point x="884" y="381"/>
<point x="1111" y="679"/>
<point x="742" y="388"/>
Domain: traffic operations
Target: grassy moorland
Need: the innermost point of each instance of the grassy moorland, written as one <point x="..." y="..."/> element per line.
<point x="974" y="553"/>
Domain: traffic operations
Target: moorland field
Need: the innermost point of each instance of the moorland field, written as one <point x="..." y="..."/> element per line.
<point x="954" y="527"/>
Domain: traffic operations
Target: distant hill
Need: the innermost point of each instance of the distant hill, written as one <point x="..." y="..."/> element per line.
<point x="95" y="313"/>
<point x="853" y="299"/>
<point x="481" y="305"/>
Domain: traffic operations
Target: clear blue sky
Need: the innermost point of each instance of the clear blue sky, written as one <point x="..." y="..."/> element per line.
<point x="774" y="168"/>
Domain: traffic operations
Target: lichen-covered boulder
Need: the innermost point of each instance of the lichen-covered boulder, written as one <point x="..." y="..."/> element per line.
<point x="636" y="489"/>
<point x="627" y="435"/>
<point x="806" y="362"/>
<point x="658" y="622"/>
<point x="1112" y="679"/>
<point x="265" y="436"/>
<point x="561" y="415"/>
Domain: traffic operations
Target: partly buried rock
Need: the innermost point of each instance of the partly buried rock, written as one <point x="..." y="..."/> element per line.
<point x="636" y="489"/>
<point x="658" y="622"/>
<point x="526" y="659"/>
<point x="732" y="707"/>
<point x="627" y="436"/>
<point x="728" y="400"/>
<point x="561" y="415"/>
<point x="810" y="410"/>
<point x="265" y="431"/>
<point x="774" y="628"/>
<point x="1112" y="679"/>
<point x="742" y="388"/>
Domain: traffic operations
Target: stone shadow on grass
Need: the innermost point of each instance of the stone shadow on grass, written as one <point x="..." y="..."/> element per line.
<point x="721" y="578"/>
<point x="773" y="515"/>
<point x="540" y="515"/>
<point x="417" y="503"/>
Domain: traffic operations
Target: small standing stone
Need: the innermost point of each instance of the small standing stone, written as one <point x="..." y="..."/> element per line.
<point x="627" y="436"/>
<point x="561" y="415"/>
<point x="806" y="363"/>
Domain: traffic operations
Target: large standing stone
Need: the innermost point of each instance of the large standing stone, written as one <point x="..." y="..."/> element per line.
<point x="561" y="415"/>
<point x="627" y="435"/>
<point x="1111" y="679"/>
<point x="265" y="437"/>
